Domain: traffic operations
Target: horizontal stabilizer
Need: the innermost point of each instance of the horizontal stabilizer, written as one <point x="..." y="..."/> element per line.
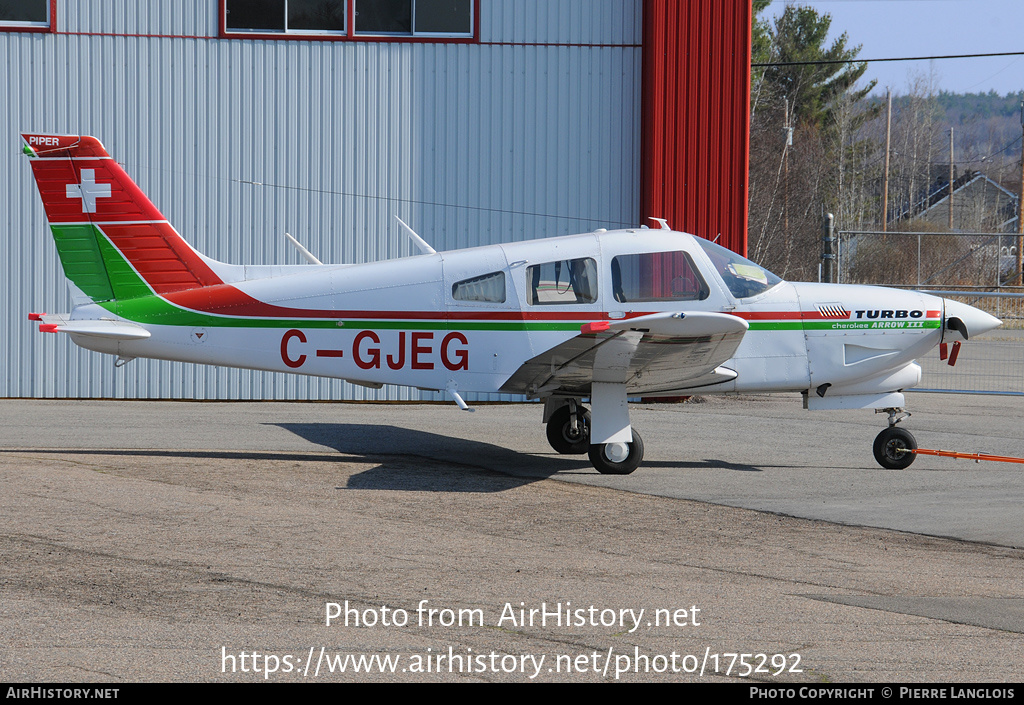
<point x="108" y="329"/>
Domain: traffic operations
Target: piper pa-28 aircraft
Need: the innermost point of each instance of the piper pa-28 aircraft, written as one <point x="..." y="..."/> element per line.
<point x="601" y="316"/>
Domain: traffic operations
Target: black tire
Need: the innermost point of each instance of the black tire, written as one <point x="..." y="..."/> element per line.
<point x="892" y="448"/>
<point x="560" y="434"/>
<point x="608" y="467"/>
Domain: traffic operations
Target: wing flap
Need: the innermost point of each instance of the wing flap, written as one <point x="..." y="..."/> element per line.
<point x="653" y="353"/>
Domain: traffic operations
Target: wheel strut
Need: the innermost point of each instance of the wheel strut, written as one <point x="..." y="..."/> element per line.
<point x="896" y="414"/>
<point x="573" y="418"/>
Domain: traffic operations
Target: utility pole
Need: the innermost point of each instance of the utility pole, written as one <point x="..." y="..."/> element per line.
<point x="885" y="187"/>
<point x="1020" y="202"/>
<point x="951" y="178"/>
<point x="828" y="251"/>
<point x="788" y="129"/>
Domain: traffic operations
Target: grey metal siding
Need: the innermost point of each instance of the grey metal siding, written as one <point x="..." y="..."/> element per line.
<point x="532" y="132"/>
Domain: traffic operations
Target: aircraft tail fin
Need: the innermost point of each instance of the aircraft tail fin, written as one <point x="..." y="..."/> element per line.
<point x="113" y="243"/>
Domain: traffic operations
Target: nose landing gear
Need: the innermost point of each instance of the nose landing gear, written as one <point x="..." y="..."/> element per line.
<point x="893" y="445"/>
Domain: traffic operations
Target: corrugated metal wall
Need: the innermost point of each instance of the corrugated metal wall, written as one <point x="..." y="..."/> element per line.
<point x="696" y="116"/>
<point x="533" y="132"/>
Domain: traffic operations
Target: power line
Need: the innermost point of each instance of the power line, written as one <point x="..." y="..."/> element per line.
<point x="426" y="203"/>
<point x="981" y="159"/>
<point x="894" y="58"/>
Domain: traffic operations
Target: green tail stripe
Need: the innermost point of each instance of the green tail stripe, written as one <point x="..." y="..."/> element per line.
<point x="82" y="260"/>
<point x="95" y="266"/>
<point x="125" y="282"/>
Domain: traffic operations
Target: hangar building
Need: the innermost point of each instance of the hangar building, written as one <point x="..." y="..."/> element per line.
<point x="475" y="121"/>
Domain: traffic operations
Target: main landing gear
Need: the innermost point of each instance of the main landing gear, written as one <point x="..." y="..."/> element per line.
<point x="618" y="458"/>
<point x="569" y="429"/>
<point x="568" y="432"/>
<point x="893" y="445"/>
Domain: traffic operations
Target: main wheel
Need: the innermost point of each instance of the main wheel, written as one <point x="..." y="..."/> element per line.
<point x="892" y="448"/>
<point x="560" y="433"/>
<point x="618" y="458"/>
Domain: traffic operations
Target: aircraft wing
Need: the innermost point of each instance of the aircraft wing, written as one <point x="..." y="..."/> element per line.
<point x="656" y="353"/>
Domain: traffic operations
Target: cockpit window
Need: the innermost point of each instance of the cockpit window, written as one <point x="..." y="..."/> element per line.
<point x="571" y="281"/>
<point x="489" y="288"/>
<point x="743" y="277"/>
<point x="657" y="276"/>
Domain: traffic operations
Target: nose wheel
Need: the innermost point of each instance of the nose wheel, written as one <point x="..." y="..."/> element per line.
<point x="892" y="448"/>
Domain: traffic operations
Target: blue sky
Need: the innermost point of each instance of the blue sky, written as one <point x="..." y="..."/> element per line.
<point x="895" y="28"/>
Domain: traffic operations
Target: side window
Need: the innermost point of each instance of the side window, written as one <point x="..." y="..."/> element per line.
<point x="25" y="15"/>
<point x="488" y="288"/>
<point x="370" y="20"/>
<point x="285" y="16"/>
<point x="571" y="281"/>
<point x="657" y="276"/>
<point x="416" y="18"/>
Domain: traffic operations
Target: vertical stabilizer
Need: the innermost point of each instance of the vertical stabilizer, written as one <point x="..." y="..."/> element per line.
<point x="114" y="244"/>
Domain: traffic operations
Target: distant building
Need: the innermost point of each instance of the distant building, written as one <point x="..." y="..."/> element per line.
<point x="979" y="205"/>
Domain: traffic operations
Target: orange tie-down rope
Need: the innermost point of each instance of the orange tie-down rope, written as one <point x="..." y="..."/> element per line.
<point x="965" y="456"/>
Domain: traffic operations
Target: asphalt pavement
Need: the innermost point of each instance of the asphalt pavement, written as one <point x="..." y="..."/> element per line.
<point x="180" y="541"/>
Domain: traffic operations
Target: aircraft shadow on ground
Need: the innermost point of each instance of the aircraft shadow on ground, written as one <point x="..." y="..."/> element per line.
<point x="706" y="464"/>
<point x="376" y="441"/>
<point x="466" y="465"/>
<point x="407" y="472"/>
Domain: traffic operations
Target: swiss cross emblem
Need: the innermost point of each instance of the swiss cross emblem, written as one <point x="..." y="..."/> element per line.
<point x="88" y="190"/>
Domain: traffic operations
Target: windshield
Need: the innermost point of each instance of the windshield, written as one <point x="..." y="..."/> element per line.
<point x="743" y="277"/>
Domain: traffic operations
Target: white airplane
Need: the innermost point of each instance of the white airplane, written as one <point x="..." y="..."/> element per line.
<point x="600" y="315"/>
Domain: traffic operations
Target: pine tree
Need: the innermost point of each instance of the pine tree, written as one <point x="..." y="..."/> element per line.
<point x="812" y="89"/>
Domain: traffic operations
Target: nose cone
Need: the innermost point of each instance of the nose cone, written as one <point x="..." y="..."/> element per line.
<point x="968" y="321"/>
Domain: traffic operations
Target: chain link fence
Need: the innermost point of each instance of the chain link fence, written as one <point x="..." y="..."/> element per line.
<point x="980" y="269"/>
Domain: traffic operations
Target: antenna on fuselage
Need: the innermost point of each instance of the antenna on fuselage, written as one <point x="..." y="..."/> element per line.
<point x="661" y="221"/>
<point x="306" y="254"/>
<point x="420" y="242"/>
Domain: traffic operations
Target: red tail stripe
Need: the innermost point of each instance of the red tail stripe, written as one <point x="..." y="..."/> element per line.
<point x="161" y="257"/>
<point x="227" y="300"/>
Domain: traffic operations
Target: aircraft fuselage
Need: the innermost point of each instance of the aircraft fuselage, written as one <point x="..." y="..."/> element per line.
<point x="398" y="321"/>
